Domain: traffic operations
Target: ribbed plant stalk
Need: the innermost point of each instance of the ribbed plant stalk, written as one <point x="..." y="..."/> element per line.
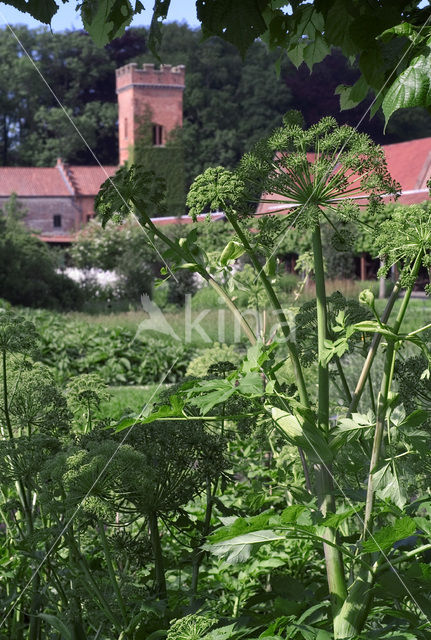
<point x="24" y="497"/>
<point x="160" y="582"/>
<point x="80" y="562"/>
<point x="324" y="486"/>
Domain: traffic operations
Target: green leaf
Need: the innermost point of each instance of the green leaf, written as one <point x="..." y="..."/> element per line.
<point x="303" y="434"/>
<point x="239" y="22"/>
<point x="335" y="519"/>
<point x="410" y="89"/>
<point x="232" y="251"/>
<point x="350" y="97"/>
<point x="214" y="392"/>
<point x="42" y="10"/>
<point x="160" y="12"/>
<point x="106" y="19"/>
<point x="124" y="423"/>
<point x="337" y="27"/>
<point x="66" y="633"/>
<point x="251" y="384"/>
<point x="385" y="538"/>
<point x="238" y="549"/>
<point x="414" y="419"/>
<point x="388" y="487"/>
<point x="404" y="29"/>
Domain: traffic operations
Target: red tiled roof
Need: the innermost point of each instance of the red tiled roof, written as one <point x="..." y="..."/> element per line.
<point x="32" y="181"/>
<point x="409" y="162"/>
<point x="61" y="180"/>
<point x="87" y="180"/>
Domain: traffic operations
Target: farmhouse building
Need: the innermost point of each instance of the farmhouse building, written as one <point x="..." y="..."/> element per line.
<point x="60" y="200"/>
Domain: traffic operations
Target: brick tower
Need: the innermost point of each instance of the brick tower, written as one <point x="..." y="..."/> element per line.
<point x="157" y="92"/>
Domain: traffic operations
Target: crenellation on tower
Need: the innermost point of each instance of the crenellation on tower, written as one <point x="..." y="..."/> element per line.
<point x="148" y="90"/>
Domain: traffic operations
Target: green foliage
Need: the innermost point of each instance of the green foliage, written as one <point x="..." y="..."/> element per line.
<point x="191" y="627"/>
<point x="404" y="237"/>
<point x="341" y="313"/>
<point x="166" y="161"/>
<point x="28" y="274"/>
<point x="198" y="367"/>
<point x="118" y="356"/>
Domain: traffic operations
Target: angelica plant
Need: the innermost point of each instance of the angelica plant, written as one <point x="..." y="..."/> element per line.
<point x="324" y="175"/>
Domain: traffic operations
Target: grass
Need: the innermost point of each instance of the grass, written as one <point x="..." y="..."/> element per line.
<point x="205" y="325"/>
<point x="129" y="400"/>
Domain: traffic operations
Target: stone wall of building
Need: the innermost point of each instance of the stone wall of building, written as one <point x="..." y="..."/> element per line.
<point x="41" y="212"/>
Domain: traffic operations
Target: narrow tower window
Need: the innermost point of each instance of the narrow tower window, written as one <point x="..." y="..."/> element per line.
<point x="56" y="220"/>
<point x="126" y="128"/>
<point x="157" y="135"/>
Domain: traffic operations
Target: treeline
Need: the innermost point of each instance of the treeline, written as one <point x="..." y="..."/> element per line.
<point x="228" y="103"/>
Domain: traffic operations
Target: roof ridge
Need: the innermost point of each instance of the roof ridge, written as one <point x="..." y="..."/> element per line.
<point x="63" y="168"/>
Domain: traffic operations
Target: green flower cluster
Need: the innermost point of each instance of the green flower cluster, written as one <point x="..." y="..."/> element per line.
<point x="130" y="187"/>
<point x="402" y="239"/>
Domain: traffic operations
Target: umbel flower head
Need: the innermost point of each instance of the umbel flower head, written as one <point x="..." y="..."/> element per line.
<point x="313" y="172"/>
<point x="130" y="186"/>
<point x="216" y="189"/>
<point x="404" y="237"/>
<point x="17" y="335"/>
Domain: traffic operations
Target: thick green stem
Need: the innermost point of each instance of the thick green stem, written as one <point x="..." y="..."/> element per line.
<point x="5" y="397"/>
<point x="334" y="563"/>
<point x="160" y="582"/>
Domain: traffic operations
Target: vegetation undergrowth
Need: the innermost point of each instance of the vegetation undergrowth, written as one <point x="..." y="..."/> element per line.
<point x="282" y="493"/>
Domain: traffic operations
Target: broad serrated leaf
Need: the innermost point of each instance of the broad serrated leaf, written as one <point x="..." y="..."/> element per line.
<point x="388" y="487"/>
<point x="42" y="10"/>
<point x="106" y="19"/>
<point x="414" y="419"/>
<point x="239" y="22"/>
<point x="385" y="538"/>
<point x="251" y="384"/>
<point x="337" y="27"/>
<point x="410" y="89"/>
<point x="405" y="29"/>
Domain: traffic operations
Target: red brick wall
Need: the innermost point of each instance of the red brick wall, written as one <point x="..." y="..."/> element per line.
<point x="140" y="89"/>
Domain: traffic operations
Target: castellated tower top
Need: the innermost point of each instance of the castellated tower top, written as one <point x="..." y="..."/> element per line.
<point x="147" y="91"/>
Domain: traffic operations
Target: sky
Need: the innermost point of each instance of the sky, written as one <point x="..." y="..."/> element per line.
<point x="67" y="18"/>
